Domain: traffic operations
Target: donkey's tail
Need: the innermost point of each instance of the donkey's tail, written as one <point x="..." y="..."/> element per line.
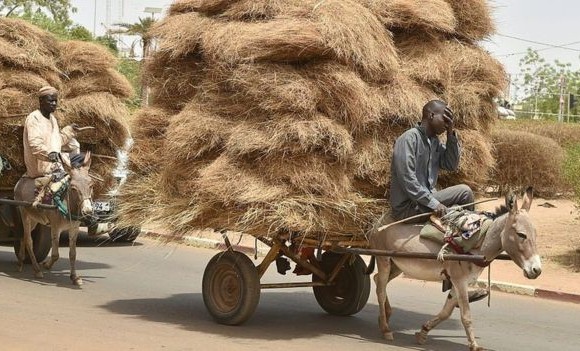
<point x="371" y="267"/>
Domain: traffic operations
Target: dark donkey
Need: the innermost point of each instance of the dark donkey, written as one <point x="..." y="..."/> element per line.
<point x="78" y="200"/>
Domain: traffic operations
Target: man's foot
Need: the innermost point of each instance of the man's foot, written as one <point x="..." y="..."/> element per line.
<point x="474" y="295"/>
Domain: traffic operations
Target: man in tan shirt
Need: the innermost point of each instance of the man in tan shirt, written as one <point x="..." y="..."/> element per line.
<point x="43" y="140"/>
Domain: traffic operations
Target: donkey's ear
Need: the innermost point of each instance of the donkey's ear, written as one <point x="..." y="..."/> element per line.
<point x="87" y="160"/>
<point x="511" y="202"/>
<point x="528" y="197"/>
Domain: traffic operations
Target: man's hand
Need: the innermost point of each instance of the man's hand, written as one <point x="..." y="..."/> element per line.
<point x="448" y="117"/>
<point x="440" y="210"/>
<point x="54" y="157"/>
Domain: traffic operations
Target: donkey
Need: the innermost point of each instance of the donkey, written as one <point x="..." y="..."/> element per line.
<point x="511" y="230"/>
<point x="78" y="199"/>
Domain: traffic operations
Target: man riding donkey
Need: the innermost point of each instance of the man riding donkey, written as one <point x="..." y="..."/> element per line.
<point x="418" y="155"/>
<point x="43" y="144"/>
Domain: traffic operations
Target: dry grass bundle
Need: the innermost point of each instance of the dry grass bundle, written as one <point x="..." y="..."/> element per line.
<point x="181" y="35"/>
<point x="148" y="127"/>
<point x="290" y="134"/>
<point x="403" y="100"/>
<point x="11" y="149"/>
<point x="84" y="57"/>
<point x="138" y="200"/>
<point x="254" y="10"/>
<point x="102" y="172"/>
<point x="173" y="82"/>
<point x="24" y="81"/>
<point x="109" y="81"/>
<point x="27" y="36"/>
<point x="429" y="15"/>
<point x="15" y="103"/>
<point x="279" y="40"/>
<point x="525" y="159"/>
<point x="476" y="162"/>
<point x="13" y="56"/>
<point x="103" y="111"/>
<point x="226" y="182"/>
<point x="208" y="7"/>
<point x="371" y="161"/>
<point x="274" y="88"/>
<point x="565" y="134"/>
<point x="346" y="97"/>
<point x="474" y="21"/>
<point x="354" y="35"/>
<point x="195" y="132"/>
<point x="473" y="105"/>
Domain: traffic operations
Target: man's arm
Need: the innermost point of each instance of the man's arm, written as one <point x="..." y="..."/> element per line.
<point x="449" y="159"/>
<point x="35" y="139"/>
<point x="404" y="163"/>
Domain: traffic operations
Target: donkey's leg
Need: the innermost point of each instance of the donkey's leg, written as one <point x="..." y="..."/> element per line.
<point x="461" y="291"/>
<point x="444" y="314"/>
<point x="381" y="279"/>
<point x="27" y="228"/>
<point x="21" y="254"/>
<point x="54" y="237"/>
<point x="73" y="235"/>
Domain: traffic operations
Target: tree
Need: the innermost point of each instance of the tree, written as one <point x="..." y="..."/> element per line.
<point x="140" y="29"/>
<point x="58" y="9"/>
<point x="540" y="84"/>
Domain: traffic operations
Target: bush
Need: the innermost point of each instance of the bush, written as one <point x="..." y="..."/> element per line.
<point x="572" y="170"/>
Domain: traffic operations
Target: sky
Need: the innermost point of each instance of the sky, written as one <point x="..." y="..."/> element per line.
<point x="553" y="22"/>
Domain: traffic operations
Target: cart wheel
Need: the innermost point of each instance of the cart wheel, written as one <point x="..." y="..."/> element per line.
<point x="351" y="291"/>
<point x="41" y="243"/>
<point x="231" y="287"/>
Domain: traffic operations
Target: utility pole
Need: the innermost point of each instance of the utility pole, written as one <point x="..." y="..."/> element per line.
<point x="561" y="109"/>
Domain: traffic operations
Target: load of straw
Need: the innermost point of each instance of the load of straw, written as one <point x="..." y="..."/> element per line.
<point x="278" y="117"/>
<point x="91" y="94"/>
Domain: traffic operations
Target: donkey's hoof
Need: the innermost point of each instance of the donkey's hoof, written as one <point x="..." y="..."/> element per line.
<point x="388" y="336"/>
<point x="476" y="348"/>
<point x="38" y="275"/>
<point x="78" y="281"/>
<point x="421" y="338"/>
<point x="46" y="265"/>
<point x="20" y="267"/>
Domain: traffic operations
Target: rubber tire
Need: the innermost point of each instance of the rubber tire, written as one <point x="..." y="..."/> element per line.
<point x="41" y="244"/>
<point x="352" y="289"/>
<point x="125" y="235"/>
<point x="231" y="288"/>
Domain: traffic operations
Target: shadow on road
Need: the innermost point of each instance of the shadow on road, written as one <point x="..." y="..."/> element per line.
<point x="287" y="316"/>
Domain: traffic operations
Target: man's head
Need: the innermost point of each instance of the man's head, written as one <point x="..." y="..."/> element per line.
<point x="48" y="98"/>
<point x="435" y="117"/>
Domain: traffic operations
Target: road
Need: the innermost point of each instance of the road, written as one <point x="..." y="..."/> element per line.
<point x="148" y="297"/>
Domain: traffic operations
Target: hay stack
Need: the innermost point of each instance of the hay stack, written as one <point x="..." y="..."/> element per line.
<point x="275" y="117"/>
<point x="525" y="159"/>
<point x="91" y="93"/>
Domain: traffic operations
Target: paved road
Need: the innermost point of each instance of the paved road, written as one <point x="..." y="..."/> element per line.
<point x="148" y="297"/>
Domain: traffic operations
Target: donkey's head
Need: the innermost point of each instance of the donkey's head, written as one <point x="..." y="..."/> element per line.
<point x="81" y="184"/>
<point x="518" y="237"/>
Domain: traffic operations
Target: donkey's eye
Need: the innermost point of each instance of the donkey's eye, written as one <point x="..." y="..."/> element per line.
<point x="522" y="235"/>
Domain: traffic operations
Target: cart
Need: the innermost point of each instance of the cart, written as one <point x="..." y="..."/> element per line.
<point x="11" y="230"/>
<point x="341" y="284"/>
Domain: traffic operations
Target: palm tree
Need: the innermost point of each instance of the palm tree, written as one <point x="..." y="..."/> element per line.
<point x="140" y="29"/>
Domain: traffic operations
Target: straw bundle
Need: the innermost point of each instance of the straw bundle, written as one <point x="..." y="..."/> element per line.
<point x="526" y="159"/>
<point x="565" y="134"/>
<point x="428" y="15"/>
<point x="279" y="117"/>
<point x="91" y="94"/>
<point x="474" y="21"/>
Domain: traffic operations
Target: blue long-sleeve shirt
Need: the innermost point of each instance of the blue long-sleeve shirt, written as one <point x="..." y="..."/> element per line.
<point x="415" y="168"/>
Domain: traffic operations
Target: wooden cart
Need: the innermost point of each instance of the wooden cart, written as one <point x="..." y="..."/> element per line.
<point x="232" y="283"/>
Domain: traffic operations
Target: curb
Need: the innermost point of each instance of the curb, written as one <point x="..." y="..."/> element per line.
<point x="261" y="250"/>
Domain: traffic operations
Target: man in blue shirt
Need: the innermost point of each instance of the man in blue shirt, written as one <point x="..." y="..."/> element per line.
<point x="417" y="157"/>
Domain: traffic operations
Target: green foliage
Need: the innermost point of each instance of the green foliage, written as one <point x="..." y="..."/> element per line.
<point x="132" y="70"/>
<point x="572" y="170"/>
<point x="58" y="10"/>
<point x="540" y="80"/>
